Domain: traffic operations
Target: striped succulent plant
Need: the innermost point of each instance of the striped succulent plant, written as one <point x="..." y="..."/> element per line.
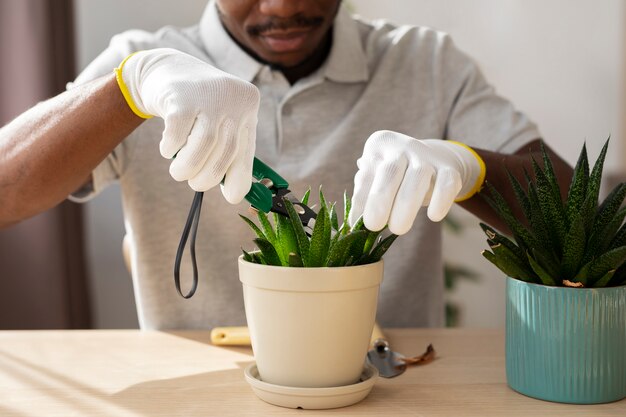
<point x="285" y="242"/>
<point x="577" y="242"/>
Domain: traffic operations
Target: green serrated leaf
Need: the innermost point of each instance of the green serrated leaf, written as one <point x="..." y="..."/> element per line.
<point x="597" y="268"/>
<point x="543" y="275"/>
<point x="511" y="264"/>
<point x="266" y="227"/>
<point x="494" y="238"/>
<point x="333" y="218"/>
<point x="253" y="226"/>
<point x="602" y="282"/>
<point x="578" y="186"/>
<point x="347" y="205"/>
<point x="286" y="237"/>
<point x="301" y="237"/>
<point x="320" y="239"/>
<point x="593" y="187"/>
<point x="551" y="207"/>
<point x="269" y="252"/>
<point x="338" y="252"/>
<point x="246" y="256"/>
<point x="381" y="248"/>
<point x="574" y="248"/>
<point x="305" y="197"/>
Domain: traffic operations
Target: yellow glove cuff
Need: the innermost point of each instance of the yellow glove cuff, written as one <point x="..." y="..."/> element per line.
<point x="478" y="185"/>
<point x="126" y="93"/>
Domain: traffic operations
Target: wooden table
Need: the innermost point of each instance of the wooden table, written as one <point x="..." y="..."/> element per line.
<point x="144" y="373"/>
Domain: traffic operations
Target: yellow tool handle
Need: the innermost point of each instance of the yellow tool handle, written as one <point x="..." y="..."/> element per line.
<point x="239" y="335"/>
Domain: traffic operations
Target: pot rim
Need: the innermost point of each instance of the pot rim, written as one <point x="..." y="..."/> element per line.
<point x="563" y="288"/>
<point x="317" y="268"/>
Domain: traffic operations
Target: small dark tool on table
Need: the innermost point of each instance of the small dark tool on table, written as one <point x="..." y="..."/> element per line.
<point x="390" y="363"/>
<point x="267" y="194"/>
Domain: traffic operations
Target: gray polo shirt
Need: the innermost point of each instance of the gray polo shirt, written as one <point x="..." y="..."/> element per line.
<point x="378" y="76"/>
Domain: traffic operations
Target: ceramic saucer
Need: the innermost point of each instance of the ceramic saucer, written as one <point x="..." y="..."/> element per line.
<point x="312" y="398"/>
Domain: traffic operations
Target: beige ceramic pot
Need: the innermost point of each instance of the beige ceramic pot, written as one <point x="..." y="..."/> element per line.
<point x="310" y="327"/>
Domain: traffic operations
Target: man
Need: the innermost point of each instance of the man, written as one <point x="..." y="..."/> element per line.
<point x="310" y="91"/>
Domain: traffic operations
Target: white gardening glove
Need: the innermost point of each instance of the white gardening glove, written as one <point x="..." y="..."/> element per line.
<point x="210" y="117"/>
<point x="398" y="174"/>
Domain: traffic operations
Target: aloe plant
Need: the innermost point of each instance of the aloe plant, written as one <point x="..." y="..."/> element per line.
<point x="285" y="242"/>
<point x="578" y="242"/>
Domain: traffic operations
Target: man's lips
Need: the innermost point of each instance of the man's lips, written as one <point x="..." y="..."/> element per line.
<point x="285" y="40"/>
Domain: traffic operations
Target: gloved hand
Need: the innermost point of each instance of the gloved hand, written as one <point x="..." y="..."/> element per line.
<point x="398" y="174"/>
<point x="210" y="117"/>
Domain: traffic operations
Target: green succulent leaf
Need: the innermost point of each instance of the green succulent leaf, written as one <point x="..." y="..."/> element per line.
<point x="246" y="256"/>
<point x="593" y="187"/>
<point x="333" y="217"/>
<point x="320" y="239"/>
<point x="516" y="267"/>
<point x="339" y="252"/>
<point x="574" y="249"/>
<point x="301" y="237"/>
<point x="578" y="186"/>
<point x="347" y="205"/>
<point x="305" y="197"/>
<point x="253" y="226"/>
<point x="269" y="252"/>
<point x="493" y="238"/>
<point x="551" y="207"/>
<point x="295" y="261"/>
<point x="597" y="268"/>
<point x="544" y="276"/>
<point x="381" y="248"/>
<point x="266" y="227"/>
<point x="603" y="282"/>
<point x="286" y="237"/>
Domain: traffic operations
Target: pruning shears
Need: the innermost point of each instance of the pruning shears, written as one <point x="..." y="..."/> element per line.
<point x="266" y="194"/>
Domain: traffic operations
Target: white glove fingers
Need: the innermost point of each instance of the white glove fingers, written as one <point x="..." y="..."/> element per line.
<point x="219" y="159"/>
<point x="177" y="130"/>
<point x="239" y="175"/>
<point x="447" y="186"/>
<point x="362" y="185"/>
<point x="382" y="195"/>
<point x="192" y="157"/>
<point x="410" y="197"/>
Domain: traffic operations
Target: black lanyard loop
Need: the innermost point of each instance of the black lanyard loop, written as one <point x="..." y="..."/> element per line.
<point x="192" y="225"/>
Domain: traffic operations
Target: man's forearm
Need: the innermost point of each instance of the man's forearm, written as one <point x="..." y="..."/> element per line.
<point x="497" y="165"/>
<point x="50" y="150"/>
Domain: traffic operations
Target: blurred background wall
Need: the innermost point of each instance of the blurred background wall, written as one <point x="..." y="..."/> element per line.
<point x="560" y="61"/>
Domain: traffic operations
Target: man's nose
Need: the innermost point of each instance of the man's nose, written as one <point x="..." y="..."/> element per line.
<point x="281" y="8"/>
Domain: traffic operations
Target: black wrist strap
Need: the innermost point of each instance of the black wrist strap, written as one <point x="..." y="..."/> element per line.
<point x="191" y="225"/>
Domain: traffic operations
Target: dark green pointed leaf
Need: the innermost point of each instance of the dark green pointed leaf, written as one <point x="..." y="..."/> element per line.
<point x="320" y="239"/>
<point x="574" y="248"/>
<point x="511" y="265"/>
<point x="269" y="252"/>
<point x="381" y="248"/>
<point x="301" y="237"/>
<point x="339" y="250"/>
<point x="370" y="241"/>
<point x="520" y="195"/>
<point x="602" y="282"/>
<point x="333" y="217"/>
<point x="544" y="276"/>
<point x="551" y="207"/>
<point x="305" y="197"/>
<point x="246" y="256"/>
<point x="286" y="237"/>
<point x="593" y="186"/>
<point x="267" y="228"/>
<point x="347" y="205"/>
<point x="253" y="226"/>
<point x="596" y="268"/>
<point x="493" y="238"/>
<point x="578" y="186"/>
<point x="608" y="209"/>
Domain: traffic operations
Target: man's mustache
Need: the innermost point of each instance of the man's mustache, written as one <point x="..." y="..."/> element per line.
<point x="296" y="22"/>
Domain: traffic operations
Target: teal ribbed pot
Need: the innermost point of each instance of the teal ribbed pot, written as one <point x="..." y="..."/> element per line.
<point x="566" y="344"/>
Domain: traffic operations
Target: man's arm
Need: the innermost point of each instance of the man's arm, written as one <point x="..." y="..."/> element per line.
<point x="50" y="150"/>
<point x="497" y="165"/>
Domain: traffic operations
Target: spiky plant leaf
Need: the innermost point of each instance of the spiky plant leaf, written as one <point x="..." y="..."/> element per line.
<point x="593" y="187"/>
<point x="246" y="256"/>
<point x="286" y="237"/>
<point x="301" y="237"/>
<point x="269" y="252"/>
<point x="333" y="217"/>
<point x="600" y="241"/>
<point x="544" y="276"/>
<point x="578" y="186"/>
<point x="381" y="248"/>
<point x="516" y="266"/>
<point x="551" y="207"/>
<point x="574" y="249"/>
<point x="266" y="227"/>
<point x="253" y="226"/>
<point x="320" y="239"/>
<point x="494" y="238"/>
<point x="305" y="197"/>
<point x="338" y="252"/>
<point x="347" y="206"/>
<point x="597" y="268"/>
<point x="602" y="282"/>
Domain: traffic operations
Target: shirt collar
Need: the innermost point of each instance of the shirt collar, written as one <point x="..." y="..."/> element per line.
<point x="345" y="63"/>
